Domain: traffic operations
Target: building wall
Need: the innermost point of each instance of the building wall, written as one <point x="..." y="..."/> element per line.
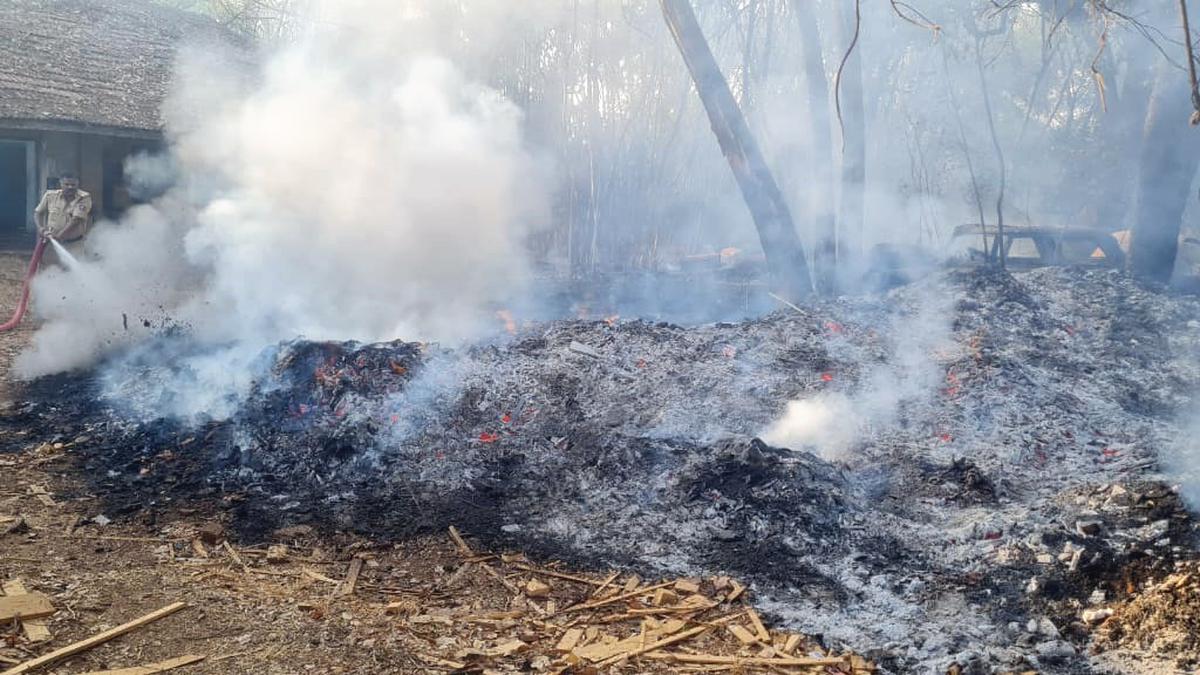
<point x="96" y="158"/>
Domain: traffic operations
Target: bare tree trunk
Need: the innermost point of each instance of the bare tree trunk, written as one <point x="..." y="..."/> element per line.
<point x="854" y="132"/>
<point x="825" y="222"/>
<point x="1166" y="168"/>
<point x="1122" y="123"/>
<point x="776" y="231"/>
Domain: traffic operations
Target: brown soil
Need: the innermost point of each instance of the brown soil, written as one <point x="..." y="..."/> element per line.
<point x="424" y="606"/>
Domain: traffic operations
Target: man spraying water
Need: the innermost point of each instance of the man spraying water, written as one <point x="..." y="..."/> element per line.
<point x="63" y="217"/>
<point x="62" y="220"/>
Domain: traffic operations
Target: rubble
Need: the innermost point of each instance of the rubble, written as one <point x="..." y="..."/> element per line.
<point x="1010" y="490"/>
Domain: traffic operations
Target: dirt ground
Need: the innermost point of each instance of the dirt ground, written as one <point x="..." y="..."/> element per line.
<point x="425" y="606"/>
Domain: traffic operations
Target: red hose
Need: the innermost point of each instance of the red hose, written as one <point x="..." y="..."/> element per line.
<point x="24" y="304"/>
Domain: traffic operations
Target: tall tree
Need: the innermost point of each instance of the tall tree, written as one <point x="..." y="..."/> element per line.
<point x="1166" y="167"/>
<point x="853" y="122"/>
<point x="776" y="230"/>
<point x="825" y="224"/>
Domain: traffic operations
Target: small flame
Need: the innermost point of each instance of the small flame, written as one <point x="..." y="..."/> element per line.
<point x="612" y="320"/>
<point x="510" y="324"/>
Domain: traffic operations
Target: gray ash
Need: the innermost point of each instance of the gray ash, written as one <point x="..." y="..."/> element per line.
<point x="946" y="527"/>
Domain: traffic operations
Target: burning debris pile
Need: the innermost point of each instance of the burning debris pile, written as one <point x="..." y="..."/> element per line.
<point x="971" y="461"/>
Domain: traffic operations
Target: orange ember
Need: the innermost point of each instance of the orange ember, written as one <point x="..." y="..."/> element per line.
<point x="488" y="437"/>
<point x="510" y="324"/>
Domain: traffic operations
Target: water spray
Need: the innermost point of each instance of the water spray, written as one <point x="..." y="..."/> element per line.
<point x="69" y="260"/>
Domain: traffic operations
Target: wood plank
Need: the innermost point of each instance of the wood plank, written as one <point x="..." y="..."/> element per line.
<point x="790" y="645"/>
<point x="351" y="582"/>
<point x="665" y="642"/>
<point x="152" y="668"/>
<point x="604" y="586"/>
<point x="759" y="629"/>
<point x="744" y="636"/>
<point x="617" y="598"/>
<point x="598" y="651"/>
<point x="25" y="606"/>
<point x="746" y="661"/>
<point x="569" y="640"/>
<point x="36" y="630"/>
<point x="559" y="575"/>
<point x="233" y="553"/>
<point x="94" y="641"/>
<point x="460" y="542"/>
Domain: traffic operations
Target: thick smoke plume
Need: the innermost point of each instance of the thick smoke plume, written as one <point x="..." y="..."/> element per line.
<point x="339" y="191"/>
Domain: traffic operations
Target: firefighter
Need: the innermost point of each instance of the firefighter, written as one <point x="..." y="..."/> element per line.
<point x="64" y="215"/>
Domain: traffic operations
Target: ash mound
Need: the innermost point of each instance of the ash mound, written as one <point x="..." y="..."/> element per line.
<point x="932" y="452"/>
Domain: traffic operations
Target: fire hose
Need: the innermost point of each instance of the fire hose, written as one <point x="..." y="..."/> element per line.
<point x="24" y="303"/>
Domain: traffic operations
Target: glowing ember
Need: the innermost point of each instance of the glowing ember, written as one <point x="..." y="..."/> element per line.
<point x="834" y="327"/>
<point x="510" y="324"/>
<point x="729" y="351"/>
<point x="488" y="437"/>
<point x="506" y="418"/>
<point x="612" y="320"/>
<point x="827" y="377"/>
<point x="952" y="384"/>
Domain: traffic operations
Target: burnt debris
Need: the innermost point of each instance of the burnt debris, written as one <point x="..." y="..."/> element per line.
<point x="971" y="524"/>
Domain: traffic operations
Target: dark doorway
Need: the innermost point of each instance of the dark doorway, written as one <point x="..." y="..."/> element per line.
<point x="15" y="208"/>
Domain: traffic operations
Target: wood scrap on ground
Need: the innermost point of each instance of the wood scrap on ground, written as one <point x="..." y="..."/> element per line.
<point x="152" y="668"/>
<point x="634" y="625"/>
<point x="94" y="641"/>
<point x="24" y="606"/>
<point x="36" y="629"/>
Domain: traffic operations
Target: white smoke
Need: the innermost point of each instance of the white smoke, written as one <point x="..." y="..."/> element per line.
<point x="1181" y="461"/>
<point x="341" y="191"/>
<point x="830" y="424"/>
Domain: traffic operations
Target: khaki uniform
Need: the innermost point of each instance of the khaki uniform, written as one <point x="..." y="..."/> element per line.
<point x="67" y="220"/>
